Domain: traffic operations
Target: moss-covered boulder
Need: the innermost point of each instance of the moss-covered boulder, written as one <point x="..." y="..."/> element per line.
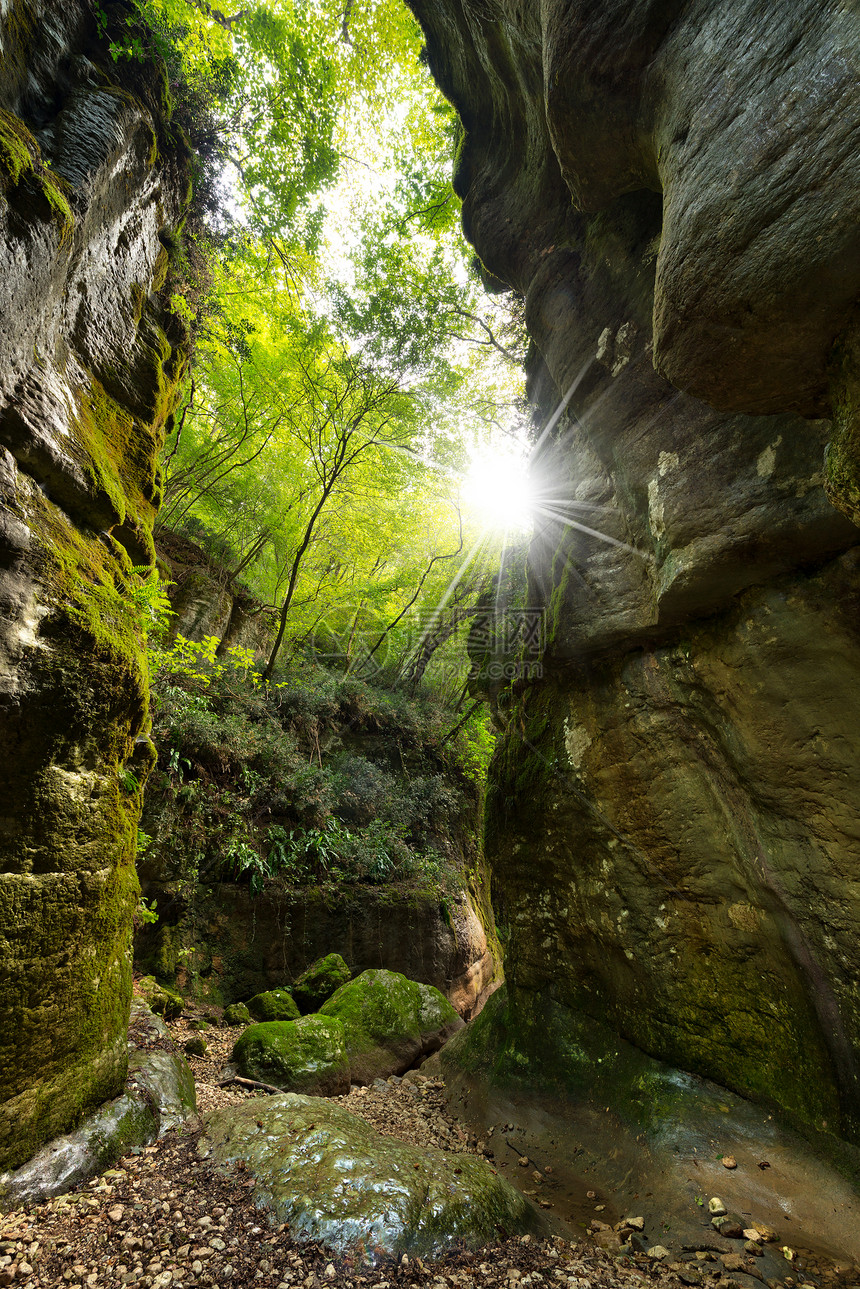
<point x="390" y="1022"/>
<point x="305" y="1055"/>
<point x="333" y="1178"/>
<point x="237" y="1014"/>
<point x="164" y="1002"/>
<point x="274" y="1004"/>
<point x="321" y="979"/>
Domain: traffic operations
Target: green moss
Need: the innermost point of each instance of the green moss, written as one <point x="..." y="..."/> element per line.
<point x="389" y="1021"/>
<point x="526" y="1041"/>
<point x="21" y="161"/>
<point x="118" y="455"/>
<point x="842" y="482"/>
<point x="159" y="273"/>
<point x="523" y="768"/>
<point x="274" y="1004"/>
<point x="138" y="296"/>
<point x="237" y="1014"/>
<point x="321" y="979"/>
<point x="305" y="1055"/>
<point x="87" y="584"/>
<point x="67" y="949"/>
<point x="16" y="150"/>
<point x="164" y="1002"/>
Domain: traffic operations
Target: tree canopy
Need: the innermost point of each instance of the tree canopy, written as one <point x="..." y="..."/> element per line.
<point x="347" y="360"/>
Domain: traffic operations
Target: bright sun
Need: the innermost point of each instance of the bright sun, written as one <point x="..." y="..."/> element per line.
<point x="498" y="489"/>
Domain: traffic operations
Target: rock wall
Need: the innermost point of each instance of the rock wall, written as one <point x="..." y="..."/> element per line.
<point x="231" y="945"/>
<point x="93" y="185"/>
<point x="207" y="601"/>
<point x="673" y="188"/>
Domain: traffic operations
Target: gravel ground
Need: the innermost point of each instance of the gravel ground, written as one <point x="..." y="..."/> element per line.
<point x="162" y="1217"/>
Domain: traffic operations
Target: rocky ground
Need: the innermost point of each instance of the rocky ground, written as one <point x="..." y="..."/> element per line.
<point x="162" y="1217"/>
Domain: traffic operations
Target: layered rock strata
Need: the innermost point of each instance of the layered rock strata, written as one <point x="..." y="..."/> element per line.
<point x="673" y="189"/>
<point x="93" y="185"/>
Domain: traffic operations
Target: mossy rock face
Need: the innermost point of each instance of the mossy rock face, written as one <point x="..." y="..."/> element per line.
<point x="88" y="379"/>
<point x="305" y="1055"/>
<point x="333" y="1178"/>
<point x="522" y="1042"/>
<point x="237" y="1014"/>
<point x="159" y="1094"/>
<point x="320" y="981"/>
<point x="274" y="1004"/>
<point x="164" y="1002"/>
<point x="390" y="1022"/>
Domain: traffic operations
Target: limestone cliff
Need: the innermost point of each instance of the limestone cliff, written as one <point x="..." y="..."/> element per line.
<point x="673" y="188"/>
<point x="93" y="185"/>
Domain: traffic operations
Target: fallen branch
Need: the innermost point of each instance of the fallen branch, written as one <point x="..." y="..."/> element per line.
<point x="250" y="1083"/>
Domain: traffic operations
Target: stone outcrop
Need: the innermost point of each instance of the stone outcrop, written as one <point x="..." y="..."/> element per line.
<point x="207" y="601"/>
<point x="240" y="944"/>
<point x="159" y="1094"/>
<point x="93" y="187"/>
<point x="673" y="189"/>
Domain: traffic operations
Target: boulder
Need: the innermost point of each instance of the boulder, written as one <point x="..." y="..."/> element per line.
<point x="390" y="1023"/>
<point x="333" y="1178"/>
<point x="305" y="1055"/>
<point x="237" y="1014"/>
<point x="274" y="1004"/>
<point x="159" y="1094"/>
<point x="317" y="984"/>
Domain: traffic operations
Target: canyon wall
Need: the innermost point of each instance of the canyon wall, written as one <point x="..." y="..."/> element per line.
<point x="93" y="186"/>
<point x="672" y="818"/>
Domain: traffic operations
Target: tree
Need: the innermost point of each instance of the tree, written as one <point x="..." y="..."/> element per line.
<point x="319" y="451"/>
<point x="348" y="414"/>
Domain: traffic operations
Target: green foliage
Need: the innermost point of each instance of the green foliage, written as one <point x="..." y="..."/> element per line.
<point x="128" y="781"/>
<point x="320" y="778"/>
<point x="145" y="913"/>
<point x="346" y="360"/>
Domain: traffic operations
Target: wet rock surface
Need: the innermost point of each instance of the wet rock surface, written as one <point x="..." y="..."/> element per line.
<point x="333" y="1178"/>
<point x="164" y="1211"/>
<point x="627" y="1137"/>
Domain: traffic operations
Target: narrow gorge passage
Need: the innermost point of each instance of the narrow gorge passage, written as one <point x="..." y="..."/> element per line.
<point x="162" y="1211"/>
<point x="430" y="629"/>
